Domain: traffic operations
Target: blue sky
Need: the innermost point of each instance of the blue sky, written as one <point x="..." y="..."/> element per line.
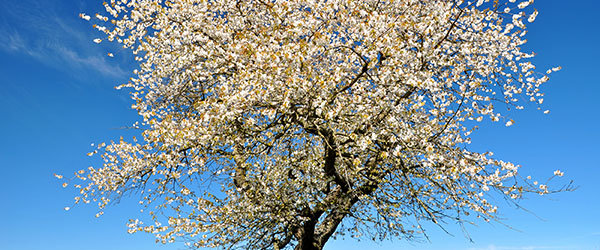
<point x="57" y="97"/>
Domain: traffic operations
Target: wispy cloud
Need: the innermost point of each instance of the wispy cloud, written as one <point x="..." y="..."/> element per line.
<point x="58" y="41"/>
<point x="15" y="43"/>
<point x="91" y="61"/>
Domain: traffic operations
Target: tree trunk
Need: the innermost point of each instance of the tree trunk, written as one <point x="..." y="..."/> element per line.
<point x="307" y="239"/>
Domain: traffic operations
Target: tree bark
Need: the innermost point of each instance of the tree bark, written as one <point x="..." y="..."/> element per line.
<point x="306" y="233"/>
<point x="306" y="240"/>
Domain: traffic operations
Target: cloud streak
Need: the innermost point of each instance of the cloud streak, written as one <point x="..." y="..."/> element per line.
<point x="58" y="42"/>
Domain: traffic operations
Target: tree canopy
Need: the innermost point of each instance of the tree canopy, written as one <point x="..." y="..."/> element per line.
<point x="281" y="123"/>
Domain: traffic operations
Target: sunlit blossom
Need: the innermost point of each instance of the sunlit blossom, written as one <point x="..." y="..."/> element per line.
<point x="558" y="173"/>
<point x="510" y="123"/>
<point x="84" y="16"/>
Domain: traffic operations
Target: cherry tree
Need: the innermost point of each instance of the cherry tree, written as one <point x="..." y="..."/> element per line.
<point x="284" y="123"/>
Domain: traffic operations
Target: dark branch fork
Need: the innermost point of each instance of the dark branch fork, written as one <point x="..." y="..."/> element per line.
<point x="313" y="231"/>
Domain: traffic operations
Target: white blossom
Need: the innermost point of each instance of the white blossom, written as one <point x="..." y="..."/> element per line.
<point x="510" y="123"/>
<point x="532" y="16"/>
<point x="558" y="173"/>
<point x="84" y="16"/>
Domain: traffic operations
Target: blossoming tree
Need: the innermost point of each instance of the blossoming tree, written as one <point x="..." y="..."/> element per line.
<point x="281" y="123"/>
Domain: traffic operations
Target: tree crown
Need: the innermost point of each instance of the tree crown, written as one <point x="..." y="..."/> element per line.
<point x="274" y="124"/>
